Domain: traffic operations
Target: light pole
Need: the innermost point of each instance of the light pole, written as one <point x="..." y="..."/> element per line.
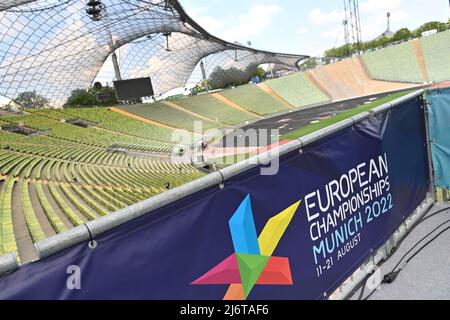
<point x="96" y="10"/>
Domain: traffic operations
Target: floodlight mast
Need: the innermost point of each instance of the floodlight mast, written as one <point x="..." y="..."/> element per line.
<point x="388" y="15"/>
<point x="346" y="34"/>
<point x="352" y="25"/>
<point x="112" y="45"/>
<point x="97" y="10"/>
<point x="205" y="81"/>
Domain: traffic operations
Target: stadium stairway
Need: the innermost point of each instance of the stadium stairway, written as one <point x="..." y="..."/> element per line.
<point x="233" y="104"/>
<point x="212" y="108"/>
<point x="137" y="117"/>
<point x="298" y="90"/>
<point x="169" y="113"/>
<point x="436" y="50"/>
<point x="52" y="182"/>
<point x="254" y="99"/>
<point x="396" y="63"/>
<point x="418" y="49"/>
<point x="264" y="87"/>
<point x="196" y="115"/>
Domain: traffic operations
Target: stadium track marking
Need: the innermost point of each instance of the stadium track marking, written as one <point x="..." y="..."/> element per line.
<point x="300" y="118"/>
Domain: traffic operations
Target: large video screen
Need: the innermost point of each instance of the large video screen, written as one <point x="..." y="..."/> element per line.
<point x="133" y="88"/>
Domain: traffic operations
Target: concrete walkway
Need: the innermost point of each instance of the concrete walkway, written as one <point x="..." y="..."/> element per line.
<point x="427" y="275"/>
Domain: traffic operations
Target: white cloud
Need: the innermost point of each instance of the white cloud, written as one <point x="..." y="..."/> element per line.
<point x="373" y="19"/>
<point x="254" y="22"/>
<point x="372" y="6"/>
<point x="375" y="23"/>
<point x="316" y="17"/>
<point x="333" y="33"/>
<point x="302" y="30"/>
<point x="211" y="24"/>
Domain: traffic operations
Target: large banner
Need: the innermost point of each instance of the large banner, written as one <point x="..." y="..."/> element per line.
<point x="439" y="120"/>
<point x="296" y="235"/>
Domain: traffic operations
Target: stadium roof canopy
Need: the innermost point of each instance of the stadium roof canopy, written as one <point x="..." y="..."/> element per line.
<point x="54" y="47"/>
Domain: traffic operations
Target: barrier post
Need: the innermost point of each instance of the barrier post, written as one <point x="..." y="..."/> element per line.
<point x="348" y="287"/>
<point x="433" y="190"/>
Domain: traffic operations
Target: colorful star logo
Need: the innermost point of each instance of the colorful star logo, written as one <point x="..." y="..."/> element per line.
<point x="252" y="262"/>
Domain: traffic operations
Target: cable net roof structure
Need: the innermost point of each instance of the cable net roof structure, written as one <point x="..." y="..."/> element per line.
<point x="53" y="47"/>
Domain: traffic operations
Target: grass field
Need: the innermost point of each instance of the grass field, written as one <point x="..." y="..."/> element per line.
<point x="341" y="116"/>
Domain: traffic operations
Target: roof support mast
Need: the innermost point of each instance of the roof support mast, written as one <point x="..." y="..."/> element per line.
<point x="97" y="10"/>
<point x="205" y="80"/>
<point x="112" y="45"/>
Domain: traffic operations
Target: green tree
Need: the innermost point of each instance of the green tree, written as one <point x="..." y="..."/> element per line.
<point x="402" y="35"/>
<point x="222" y="78"/>
<point x="338" y="53"/>
<point x="88" y="98"/>
<point x="259" y="72"/>
<point x="382" y="42"/>
<point x="309" y="64"/>
<point x="31" y="100"/>
<point x="439" y="26"/>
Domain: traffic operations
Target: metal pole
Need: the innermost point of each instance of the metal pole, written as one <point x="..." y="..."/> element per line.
<point x="345" y="23"/>
<point x="432" y="188"/>
<point x="112" y="46"/>
<point x="347" y="34"/>
<point x="116" y="66"/>
<point x="205" y="81"/>
<point x="358" y="26"/>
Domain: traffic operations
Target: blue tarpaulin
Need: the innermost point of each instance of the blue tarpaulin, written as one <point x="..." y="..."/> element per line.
<point x="439" y="120"/>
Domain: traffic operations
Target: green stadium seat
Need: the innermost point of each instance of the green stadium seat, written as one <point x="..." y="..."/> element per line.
<point x="394" y="63"/>
<point x="436" y="50"/>
<point x="213" y="109"/>
<point x="254" y="99"/>
<point x="298" y="90"/>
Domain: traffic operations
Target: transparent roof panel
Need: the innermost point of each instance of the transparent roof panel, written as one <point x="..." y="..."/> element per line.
<point x="54" y="47"/>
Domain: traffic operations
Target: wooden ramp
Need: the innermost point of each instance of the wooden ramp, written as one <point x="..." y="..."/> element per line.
<point x="348" y="79"/>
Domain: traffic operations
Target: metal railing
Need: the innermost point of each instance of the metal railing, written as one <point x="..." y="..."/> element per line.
<point x="77" y="235"/>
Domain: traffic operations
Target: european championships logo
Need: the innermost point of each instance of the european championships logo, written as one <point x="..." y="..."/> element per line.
<point x="252" y="262"/>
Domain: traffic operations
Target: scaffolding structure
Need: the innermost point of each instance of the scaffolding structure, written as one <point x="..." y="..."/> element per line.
<point x="352" y="26"/>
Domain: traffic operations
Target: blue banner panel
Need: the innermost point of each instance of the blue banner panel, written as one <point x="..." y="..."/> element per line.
<point x="296" y="235"/>
<point x="439" y="120"/>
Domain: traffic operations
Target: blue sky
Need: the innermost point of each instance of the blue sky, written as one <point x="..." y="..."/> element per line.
<point x="306" y="26"/>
